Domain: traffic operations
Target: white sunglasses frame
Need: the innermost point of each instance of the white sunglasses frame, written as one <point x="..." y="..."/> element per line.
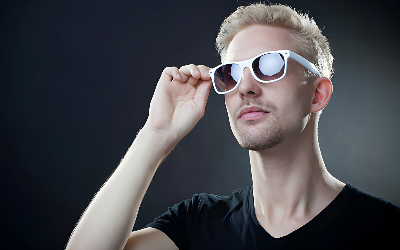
<point x="248" y="64"/>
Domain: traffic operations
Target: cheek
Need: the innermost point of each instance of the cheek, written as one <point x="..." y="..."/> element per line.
<point x="297" y="90"/>
<point x="296" y="104"/>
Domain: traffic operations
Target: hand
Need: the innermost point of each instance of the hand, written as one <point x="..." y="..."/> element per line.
<point x="179" y="100"/>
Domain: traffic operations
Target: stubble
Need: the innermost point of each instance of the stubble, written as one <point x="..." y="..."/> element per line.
<point x="258" y="135"/>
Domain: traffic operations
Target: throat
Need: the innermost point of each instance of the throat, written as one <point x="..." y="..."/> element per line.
<point x="281" y="217"/>
<point x="284" y="216"/>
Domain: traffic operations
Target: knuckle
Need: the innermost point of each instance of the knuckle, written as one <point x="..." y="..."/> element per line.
<point x="183" y="67"/>
<point x="204" y="68"/>
<point x="166" y="69"/>
<point x="188" y="66"/>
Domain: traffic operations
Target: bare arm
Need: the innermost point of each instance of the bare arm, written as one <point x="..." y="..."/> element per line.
<point x="175" y="109"/>
<point x="149" y="238"/>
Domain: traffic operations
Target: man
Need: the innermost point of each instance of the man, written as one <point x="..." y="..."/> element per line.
<point x="274" y="93"/>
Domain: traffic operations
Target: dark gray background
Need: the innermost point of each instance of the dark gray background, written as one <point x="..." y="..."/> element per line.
<point x="77" y="78"/>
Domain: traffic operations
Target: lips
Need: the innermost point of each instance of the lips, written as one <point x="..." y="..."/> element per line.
<point x="251" y="113"/>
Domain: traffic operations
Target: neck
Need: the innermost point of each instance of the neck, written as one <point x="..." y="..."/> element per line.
<point x="291" y="180"/>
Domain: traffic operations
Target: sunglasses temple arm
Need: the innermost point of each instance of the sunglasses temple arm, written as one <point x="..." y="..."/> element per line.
<point x="305" y="63"/>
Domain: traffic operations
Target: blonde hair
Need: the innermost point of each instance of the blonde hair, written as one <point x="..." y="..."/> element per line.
<point x="311" y="44"/>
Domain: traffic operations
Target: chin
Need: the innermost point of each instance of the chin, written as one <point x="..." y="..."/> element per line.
<point x="258" y="137"/>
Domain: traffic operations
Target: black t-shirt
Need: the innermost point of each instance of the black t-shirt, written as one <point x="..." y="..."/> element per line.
<point x="353" y="220"/>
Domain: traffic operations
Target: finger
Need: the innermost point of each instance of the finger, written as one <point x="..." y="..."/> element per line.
<point x="204" y="70"/>
<point x="192" y="81"/>
<point x="190" y="74"/>
<point x="202" y="93"/>
<point x="170" y="73"/>
<point x="191" y="70"/>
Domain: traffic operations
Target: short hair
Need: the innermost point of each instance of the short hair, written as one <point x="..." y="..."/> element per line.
<point x="311" y="44"/>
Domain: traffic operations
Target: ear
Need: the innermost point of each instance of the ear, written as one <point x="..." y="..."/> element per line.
<point x="323" y="89"/>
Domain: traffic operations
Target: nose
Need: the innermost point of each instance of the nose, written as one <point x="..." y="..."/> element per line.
<point x="249" y="87"/>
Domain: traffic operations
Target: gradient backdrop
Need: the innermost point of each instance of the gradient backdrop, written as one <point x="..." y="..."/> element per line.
<point x="77" y="78"/>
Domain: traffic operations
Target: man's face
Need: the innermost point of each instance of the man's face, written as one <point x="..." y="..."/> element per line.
<point x="286" y="102"/>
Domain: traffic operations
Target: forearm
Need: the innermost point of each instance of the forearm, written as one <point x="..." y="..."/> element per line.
<point x="176" y="107"/>
<point x="110" y="217"/>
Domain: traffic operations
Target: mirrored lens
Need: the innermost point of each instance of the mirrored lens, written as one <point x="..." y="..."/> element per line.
<point x="269" y="67"/>
<point x="227" y="76"/>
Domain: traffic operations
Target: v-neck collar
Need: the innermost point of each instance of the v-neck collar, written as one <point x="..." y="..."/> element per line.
<point x="321" y="220"/>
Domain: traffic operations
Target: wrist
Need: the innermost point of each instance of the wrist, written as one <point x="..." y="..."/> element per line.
<point x="159" y="140"/>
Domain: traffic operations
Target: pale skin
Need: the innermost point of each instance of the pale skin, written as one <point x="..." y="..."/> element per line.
<point x="290" y="181"/>
<point x="175" y="109"/>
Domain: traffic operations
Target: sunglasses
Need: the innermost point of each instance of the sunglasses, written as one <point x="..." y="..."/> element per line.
<point x="267" y="67"/>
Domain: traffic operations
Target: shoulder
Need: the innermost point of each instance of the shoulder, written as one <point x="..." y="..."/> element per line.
<point x="367" y="220"/>
<point x="212" y="201"/>
<point x="203" y="214"/>
<point x="361" y="199"/>
<point x="370" y="208"/>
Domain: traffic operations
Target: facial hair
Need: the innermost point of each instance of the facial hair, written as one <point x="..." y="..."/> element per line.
<point x="257" y="135"/>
